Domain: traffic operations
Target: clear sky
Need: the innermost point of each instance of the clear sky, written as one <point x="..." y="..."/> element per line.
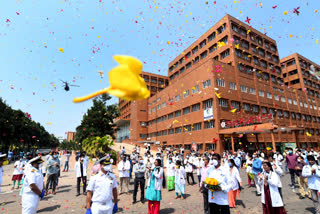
<point x="91" y="31"/>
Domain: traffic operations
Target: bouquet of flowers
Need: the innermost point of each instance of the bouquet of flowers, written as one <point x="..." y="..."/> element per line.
<point x="212" y="184"/>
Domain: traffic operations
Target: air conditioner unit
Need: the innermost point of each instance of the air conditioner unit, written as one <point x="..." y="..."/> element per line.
<point x="148" y="138"/>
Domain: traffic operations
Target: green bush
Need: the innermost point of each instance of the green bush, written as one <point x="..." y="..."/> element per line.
<point x="114" y="156"/>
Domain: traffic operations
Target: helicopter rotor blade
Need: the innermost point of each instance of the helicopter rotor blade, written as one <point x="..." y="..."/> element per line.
<point x="75" y="85"/>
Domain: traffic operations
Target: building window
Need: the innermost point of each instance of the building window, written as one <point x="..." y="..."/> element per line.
<point x="261" y="93"/>
<point x="263" y="63"/>
<point x="164" y="118"/>
<point x="235" y="104"/>
<point x="211" y="36"/>
<point x="264" y="110"/>
<point x="293" y="62"/>
<point x="289" y="101"/>
<point x="153" y="109"/>
<point x="244" y="88"/>
<point x="223" y="103"/>
<point x="207" y="104"/>
<point x="204" y="55"/>
<point x="186" y="111"/>
<point x="252" y="91"/>
<point x="159" y="106"/>
<point x="213" y="48"/>
<point x="256" y="61"/>
<point x="209" y="124"/>
<point x="185" y="93"/>
<point x="196" y="107"/>
<point x="245" y="44"/>
<point x="143" y="136"/>
<point x="298" y="116"/>
<point x="232" y="85"/>
<point x="197" y="127"/>
<point x="279" y="113"/>
<point x="246" y="107"/>
<point x="283" y="99"/>
<point x="225" y="54"/>
<point x="196" y="60"/>
<point x="220" y="82"/>
<point x="182" y="70"/>
<point x="206" y="83"/>
<point x="177" y="113"/>
<point x="178" y="130"/>
<point x="171" y="131"/>
<point x="234" y="28"/>
<point x="239" y="53"/>
<point x="195" y="50"/>
<point x="203" y="43"/>
<point x="255" y="108"/>
<point x="293" y="115"/>
<point x="177" y="98"/>
<point x="195" y="89"/>
<point x="276" y="97"/>
<point x="265" y="76"/>
<point x="269" y="95"/>
<point x="187" y="128"/>
<point x="164" y="132"/>
<point x="221" y="29"/>
<point x="188" y="65"/>
<point x="170" y="116"/>
<point x="294" y="102"/>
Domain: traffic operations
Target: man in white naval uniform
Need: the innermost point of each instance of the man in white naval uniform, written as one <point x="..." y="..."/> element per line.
<point x="32" y="187"/>
<point x="100" y="190"/>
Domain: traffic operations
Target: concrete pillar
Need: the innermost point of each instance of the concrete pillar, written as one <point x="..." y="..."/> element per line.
<point x="232" y="143"/>
<point x="273" y="142"/>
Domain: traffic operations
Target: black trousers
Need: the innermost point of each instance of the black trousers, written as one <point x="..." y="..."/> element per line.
<point x="292" y="173"/>
<point x="205" y="201"/>
<point x="52" y="178"/>
<point x="137" y="182"/>
<point x="190" y="174"/>
<point x="219" y="209"/>
<point x="84" y="182"/>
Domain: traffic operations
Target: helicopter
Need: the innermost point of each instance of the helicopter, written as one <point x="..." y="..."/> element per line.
<point x="67" y="85"/>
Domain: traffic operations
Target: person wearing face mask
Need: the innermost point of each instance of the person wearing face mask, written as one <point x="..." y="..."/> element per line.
<point x="199" y="163"/>
<point x="33" y="187"/>
<point x="53" y="166"/>
<point x="236" y="183"/>
<point x="17" y="172"/>
<point x="277" y="169"/>
<point x="278" y="158"/>
<point x="170" y="174"/>
<point x="139" y="170"/>
<point x="291" y="160"/>
<point x="124" y="167"/>
<point x="218" y="200"/>
<point x="249" y="169"/>
<point x="256" y="170"/>
<point x="189" y="171"/>
<point x="81" y="174"/>
<point x="302" y="181"/>
<point x="270" y="197"/>
<point x="101" y="188"/>
<point x="180" y="180"/>
<point x="203" y="189"/>
<point x="312" y="172"/>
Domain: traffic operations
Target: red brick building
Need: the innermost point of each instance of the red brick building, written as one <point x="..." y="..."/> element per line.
<point x="226" y="91"/>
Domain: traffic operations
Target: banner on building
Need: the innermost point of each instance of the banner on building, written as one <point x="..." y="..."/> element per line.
<point x="208" y="114"/>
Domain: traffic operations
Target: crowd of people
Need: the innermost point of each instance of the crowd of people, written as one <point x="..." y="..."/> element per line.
<point x="172" y="169"/>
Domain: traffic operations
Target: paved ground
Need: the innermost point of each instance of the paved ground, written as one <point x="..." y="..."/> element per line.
<point x="66" y="202"/>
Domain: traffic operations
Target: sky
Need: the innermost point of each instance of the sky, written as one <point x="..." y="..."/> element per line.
<point x="45" y="41"/>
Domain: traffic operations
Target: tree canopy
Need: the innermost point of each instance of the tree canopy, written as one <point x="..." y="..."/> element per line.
<point x="18" y="130"/>
<point x="98" y="121"/>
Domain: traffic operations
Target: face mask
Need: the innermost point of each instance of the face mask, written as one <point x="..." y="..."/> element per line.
<point x="81" y="159"/>
<point x="214" y="162"/>
<point x="170" y="161"/>
<point x="299" y="160"/>
<point x="141" y="161"/>
<point x="21" y="159"/>
<point x="55" y="156"/>
<point x="290" y="152"/>
<point x="254" y="156"/>
<point x="230" y="164"/>
<point x="107" y="168"/>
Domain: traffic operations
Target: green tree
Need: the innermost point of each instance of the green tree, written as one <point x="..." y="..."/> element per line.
<point x="97" y="145"/>
<point x="98" y="121"/>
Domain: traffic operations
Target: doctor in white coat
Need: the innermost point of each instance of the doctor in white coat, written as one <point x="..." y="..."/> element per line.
<point x="180" y="180"/>
<point x="124" y="167"/>
<point x="81" y="174"/>
<point x="278" y="170"/>
<point x="236" y="180"/>
<point x="270" y="197"/>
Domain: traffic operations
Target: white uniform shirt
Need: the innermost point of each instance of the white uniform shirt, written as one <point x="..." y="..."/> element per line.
<point x="34" y="176"/>
<point x="102" y="185"/>
<point x="77" y="169"/>
<point x="180" y="176"/>
<point x="171" y="167"/>
<point x="189" y="167"/>
<point x="313" y="180"/>
<point x="222" y="175"/>
<point x="18" y="170"/>
<point x="124" y="168"/>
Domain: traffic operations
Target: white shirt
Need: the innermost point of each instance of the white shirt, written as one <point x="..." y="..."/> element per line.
<point x="77" y="169"/>
<point x="199" y="163"/>
<point x="18" y="170"/>
<point x="86" y="161"/>
<point x="273" y="187"/>
<point x="189" y="167"/>
<point x="249" y="168"/>
<point x="171" y="167"/>
<point x="313" y="180"/>
<point x="235" y="176"/>
<point x="180" y="176"/>
<point x="101" y="186"/>
<point x="222" y="175"/>
<point x="34" y="176"/>
<point x="278" y="158"/>
<point x="124" y="168"/>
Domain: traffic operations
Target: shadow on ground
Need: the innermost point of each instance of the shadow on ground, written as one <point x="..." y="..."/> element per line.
<point x="49" y="209"/>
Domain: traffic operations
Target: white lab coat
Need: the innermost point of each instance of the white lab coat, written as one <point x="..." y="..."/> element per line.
<point x="189" y="167"/>
<point x="279" y="172"/>
<point x="171" y="167"/>
<point x="235" y="177"/>
<point x="180" y="176"/>
<point x="313" y="180"/>
<point x="158" y="178"/>
<point x="273" y="182"/>
<point x="77" y="169"/>
<point x="124" y="169"/>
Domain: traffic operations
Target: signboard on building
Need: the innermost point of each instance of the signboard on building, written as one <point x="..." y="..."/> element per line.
<point x="247" y="121"/>
<point x="194" y="146"/>
<point x="208" y="114"/>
